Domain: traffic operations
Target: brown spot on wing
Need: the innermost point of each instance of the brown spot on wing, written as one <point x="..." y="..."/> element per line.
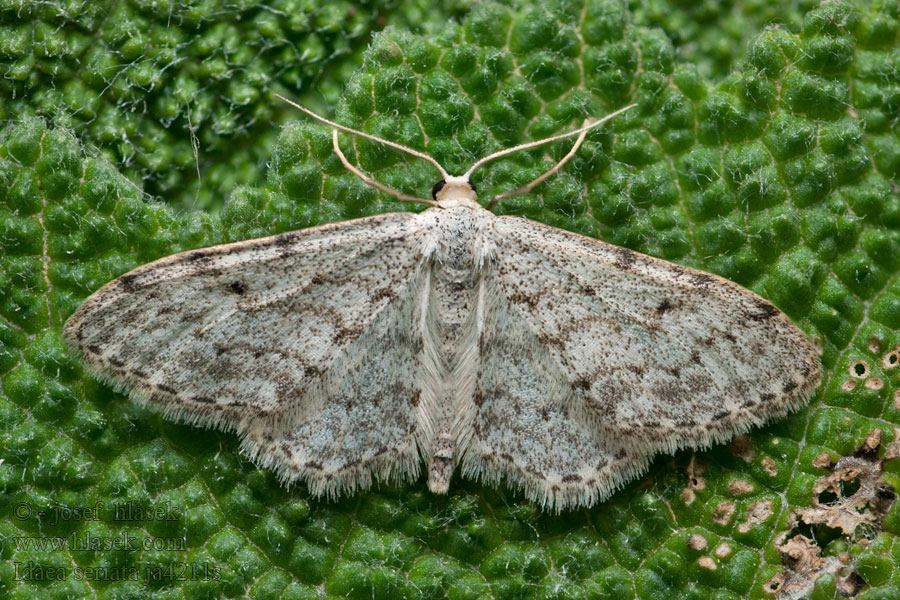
<point x="668" y="391"/>
<point x="625" y="259"/>
<point x="535" y="472"/>
<point x="198" y="256"/>
<point x="702" y="281"/>
<point x="285" y="239"/>
<point x="127" y="282"/>
<point x="664" y="307"/>
<point x="382" y="293"/>
<point x="765" y="311"/>
<point x="519" y="297"/>
<point x="345" y="334"/>
<point x="638" y="370"/>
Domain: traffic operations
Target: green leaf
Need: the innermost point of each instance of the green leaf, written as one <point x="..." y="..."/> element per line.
<point x="771" y="158"/>
<point x="174" y="93"/>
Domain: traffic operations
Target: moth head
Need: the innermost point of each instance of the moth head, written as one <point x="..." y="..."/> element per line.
<point x="450" y="190"/>
<point x="453" y="192"/>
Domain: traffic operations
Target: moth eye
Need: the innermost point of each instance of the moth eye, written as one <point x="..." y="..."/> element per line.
<point x="437" y="187"/>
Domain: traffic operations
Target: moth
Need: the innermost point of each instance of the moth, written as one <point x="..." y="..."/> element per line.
<point x="354" y="352"/>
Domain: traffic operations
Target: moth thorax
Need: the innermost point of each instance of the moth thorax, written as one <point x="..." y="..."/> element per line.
<point x="459" y="248"/>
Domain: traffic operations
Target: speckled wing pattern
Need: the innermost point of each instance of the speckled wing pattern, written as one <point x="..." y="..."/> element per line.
<point x="249" y="337"/>
<point x="598" y="357"/>
<point x="351" y="352"/>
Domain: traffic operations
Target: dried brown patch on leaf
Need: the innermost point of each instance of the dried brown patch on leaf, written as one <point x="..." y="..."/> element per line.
<point x="851" y="501"/>
<point x="804" y="564"/>
<point x="695" y="473"/>
<point x="774" y="585"/>
<point x="723" y="550"/>
<point x="739" y="487"/>
<point x="892" y="451"/>
<point x="742" y="447"/>
<point x="723" y="512"/>
<point x="696" y="481"/>
<point x="769" y="466"/>
<point x="757" y="513"/>
<point x="849" y="385"/>
<point x="874" y="383"/>
<point x="707" y="563"/>
<point x="697" y="542"/>
<point x="823" y="461"/>
<point x="872" y="441"/>
<point x="874" y="345"/>
<point x="853" y="495"/>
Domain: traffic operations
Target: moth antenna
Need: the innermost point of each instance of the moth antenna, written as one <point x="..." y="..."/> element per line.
<point x="561" y="136"/>
<point x="534" y="182"/>
<point x="444" y="174"/>
<point x="375" y="184"/>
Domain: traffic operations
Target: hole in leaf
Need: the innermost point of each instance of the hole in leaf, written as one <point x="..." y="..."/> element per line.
<point x="886" y="493"/>
<point x="864" y="531"/>
<point x="848" y="488"/>
<point x="859" y="369"/>
<point x="891" y="360"/>
<point x="853" y="584"/>
<point x="820" y="533"/>
<point x="827" y="498"/>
